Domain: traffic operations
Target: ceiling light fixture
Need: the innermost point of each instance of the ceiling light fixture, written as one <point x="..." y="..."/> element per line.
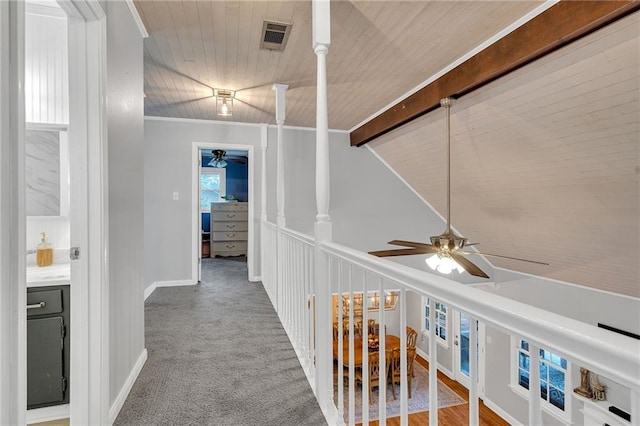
<point x="218" y="160"/>
<point x="224" y="102"/>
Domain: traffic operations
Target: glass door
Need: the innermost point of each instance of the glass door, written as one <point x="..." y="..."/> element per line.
<point x="462" y="327"/>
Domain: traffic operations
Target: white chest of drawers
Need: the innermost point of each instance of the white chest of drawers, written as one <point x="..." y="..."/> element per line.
<point x="229" y="226"/>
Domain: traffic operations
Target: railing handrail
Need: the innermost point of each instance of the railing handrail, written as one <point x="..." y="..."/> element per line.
<point x="299" y="236"/>
<point x="270" y="224"/>
<point x="610" y="354"/>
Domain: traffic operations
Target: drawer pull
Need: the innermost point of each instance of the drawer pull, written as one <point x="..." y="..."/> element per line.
<point x="231" y="226"/>
<point x="231" y="235"/>
<point x="36" y="305"/>
<point x="231" y="246"/>
<point x="231" y="215"/>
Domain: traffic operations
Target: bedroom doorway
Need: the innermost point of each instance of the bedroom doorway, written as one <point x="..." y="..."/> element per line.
<point x="223" y="204"/>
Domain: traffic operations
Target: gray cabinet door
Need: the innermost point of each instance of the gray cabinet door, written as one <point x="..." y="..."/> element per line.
<point x="45" y="344"/>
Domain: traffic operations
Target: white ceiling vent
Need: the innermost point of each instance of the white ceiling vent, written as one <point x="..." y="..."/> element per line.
<point x="274" y="35"/>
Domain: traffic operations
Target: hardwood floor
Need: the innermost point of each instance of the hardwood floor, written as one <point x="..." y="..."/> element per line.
<point x="450" y="416"/>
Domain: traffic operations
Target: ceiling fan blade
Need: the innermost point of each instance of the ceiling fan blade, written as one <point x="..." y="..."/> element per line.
<point x="413" y="244"/>
<point x="468" y="265"/>
<point x="470" y="244"/>
<point x="399" y="252"/>
<point x="504" y="257"/>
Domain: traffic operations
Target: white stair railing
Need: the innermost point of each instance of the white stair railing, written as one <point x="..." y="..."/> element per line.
<point x="352" y="272"/>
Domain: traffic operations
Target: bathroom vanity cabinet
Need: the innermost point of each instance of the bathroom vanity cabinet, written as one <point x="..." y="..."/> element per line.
<point x="47" y="346"/>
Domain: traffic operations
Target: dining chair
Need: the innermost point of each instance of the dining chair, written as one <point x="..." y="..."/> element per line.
<point x="412" y="337"/>
<point x="371" y="326"/>
<point x="374" y="373"/>
<point x="345" y="329"/>
<point x="395" y="369"/>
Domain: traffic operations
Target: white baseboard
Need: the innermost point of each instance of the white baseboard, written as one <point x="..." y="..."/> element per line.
<point x="499" y="411"/>
<point x="149" y="290"/>
<point x="126" y="388"/>
<point x="176" y="283"/>
<point x="48" y="414"/>
<point x="255" y="278"/>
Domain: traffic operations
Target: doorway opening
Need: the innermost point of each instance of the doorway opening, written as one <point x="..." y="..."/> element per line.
<point x="223" y="207"/>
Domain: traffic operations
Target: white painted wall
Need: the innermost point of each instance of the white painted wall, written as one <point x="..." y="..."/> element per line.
<point x="167" y="169"/>
<point x="126" y="194"/>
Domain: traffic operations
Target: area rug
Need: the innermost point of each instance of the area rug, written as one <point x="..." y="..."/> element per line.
<point x="418" y="402"/>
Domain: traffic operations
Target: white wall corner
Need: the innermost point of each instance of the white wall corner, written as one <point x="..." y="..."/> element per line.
<point x="149" y="290"/>
<point x="126" y="388"/>
<point x="137" y="19"/>
<point x="255" y="278"/>
<point x="499" y="411"/>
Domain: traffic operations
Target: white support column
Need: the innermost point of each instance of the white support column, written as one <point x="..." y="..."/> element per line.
<point x="323" y="232"/>
<point x="264" y="144"/>
<point x="535" y="410"/>
<point x="433" y="363"/>
<point x="474" y="413"/>
<point x="280" y="218"/>
<point x="280" y="117"/>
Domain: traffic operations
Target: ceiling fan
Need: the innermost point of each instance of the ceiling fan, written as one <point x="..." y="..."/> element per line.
<point x="219" y="158"/>
<point x="447" y="248"/>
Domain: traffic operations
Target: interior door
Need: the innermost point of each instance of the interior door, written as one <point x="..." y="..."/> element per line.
<point x="462" y="336"/>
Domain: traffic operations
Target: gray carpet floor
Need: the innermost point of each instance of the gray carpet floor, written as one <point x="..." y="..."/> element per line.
<point x="218" y="355"/>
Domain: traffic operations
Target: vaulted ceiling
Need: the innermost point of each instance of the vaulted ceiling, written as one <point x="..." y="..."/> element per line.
<point x="379" y="51"/>
<point x="546" y="161"/>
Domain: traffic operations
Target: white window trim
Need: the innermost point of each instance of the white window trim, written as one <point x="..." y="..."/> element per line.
<point x="223" y="183"/>
<point x="439" y="340"/>
<point x="563" y="416"/>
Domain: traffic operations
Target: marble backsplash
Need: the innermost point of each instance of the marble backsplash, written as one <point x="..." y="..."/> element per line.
<point x="42" y="149"/>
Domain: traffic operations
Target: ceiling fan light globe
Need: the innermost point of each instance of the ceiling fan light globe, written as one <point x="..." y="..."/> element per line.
<point x="433" y="261"/>
<point x="458" y="267"/>
<point x="444" y="267"/>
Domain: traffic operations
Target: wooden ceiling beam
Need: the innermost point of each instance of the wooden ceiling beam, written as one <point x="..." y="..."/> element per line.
<point x="558" y="26"/>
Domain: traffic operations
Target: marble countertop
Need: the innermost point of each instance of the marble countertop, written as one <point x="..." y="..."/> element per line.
<point x="56" y="274"/>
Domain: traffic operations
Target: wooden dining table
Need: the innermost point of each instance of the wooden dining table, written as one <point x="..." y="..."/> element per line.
<point x="391" y="342"/>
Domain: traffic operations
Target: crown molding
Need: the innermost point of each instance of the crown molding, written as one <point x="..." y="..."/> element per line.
<point x="137" y="19"/>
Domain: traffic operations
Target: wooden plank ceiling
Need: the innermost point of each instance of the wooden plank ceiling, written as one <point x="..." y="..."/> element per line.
<point x="379" y="50"/>
<point x="545" y="162"/>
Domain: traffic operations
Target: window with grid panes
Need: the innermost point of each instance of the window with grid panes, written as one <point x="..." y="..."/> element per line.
<point x="441" y="319"/>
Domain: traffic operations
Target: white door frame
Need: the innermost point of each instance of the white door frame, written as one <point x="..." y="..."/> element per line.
<point x="89" y="399"/>
<point x="13" y="391"/>
<point x="89" y="402"/>
<point x="458" y="376"/>
<point x="196" y="246"/>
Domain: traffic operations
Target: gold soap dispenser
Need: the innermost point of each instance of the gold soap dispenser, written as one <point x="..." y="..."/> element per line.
<point x="44" y="252"/>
